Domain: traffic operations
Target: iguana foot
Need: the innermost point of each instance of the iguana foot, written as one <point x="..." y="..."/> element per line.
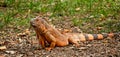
<point x="48" y="48"/>
<point x="77" y="45"/>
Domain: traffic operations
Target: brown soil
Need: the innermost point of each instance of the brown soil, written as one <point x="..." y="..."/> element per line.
<point x="26" y="45"/>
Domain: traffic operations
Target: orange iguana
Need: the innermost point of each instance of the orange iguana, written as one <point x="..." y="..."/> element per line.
<point x="47" y="33"/>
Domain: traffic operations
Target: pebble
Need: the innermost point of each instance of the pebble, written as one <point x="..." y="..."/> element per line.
<point x="20" y="55"/>
<point x="83" y="48"/>
<point x="11" y="52"/>
<point x="29" y="53"/>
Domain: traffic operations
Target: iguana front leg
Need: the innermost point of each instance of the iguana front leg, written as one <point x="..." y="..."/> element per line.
<point x="51" y="39"/>
<point x="42" y="42"/>
<point x="52" y="45"/>
<point x="41" y="39"/>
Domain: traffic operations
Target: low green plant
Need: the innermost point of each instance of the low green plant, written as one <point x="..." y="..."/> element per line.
<point x="84" y="11"/>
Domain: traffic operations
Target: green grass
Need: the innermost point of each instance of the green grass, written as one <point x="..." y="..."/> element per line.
<point x="87" y="13"/>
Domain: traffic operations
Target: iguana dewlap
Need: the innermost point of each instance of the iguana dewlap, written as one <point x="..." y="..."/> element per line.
<point x="47" y="33"/>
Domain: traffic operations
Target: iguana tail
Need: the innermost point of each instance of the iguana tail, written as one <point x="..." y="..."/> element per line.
<point x="86" y="37"/>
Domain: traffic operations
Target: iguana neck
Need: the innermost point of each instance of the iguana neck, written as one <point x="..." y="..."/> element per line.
<point x="50" y="27"/>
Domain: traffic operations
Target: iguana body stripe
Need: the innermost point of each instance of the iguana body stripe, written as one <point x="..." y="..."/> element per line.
<point x="47" y="33"/>
<point x="86" y="36"/>
<point x="95" y="36"/>
<point x="105" y="35"/>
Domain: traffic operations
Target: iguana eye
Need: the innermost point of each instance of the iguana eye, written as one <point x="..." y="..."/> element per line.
<point x="37" y="20"/>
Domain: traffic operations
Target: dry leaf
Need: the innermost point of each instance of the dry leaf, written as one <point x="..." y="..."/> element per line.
<point x="27" y="32"/>
<point x="105" y="41"/>
<point x="11" y="52"/>
<point x="35" y="42"/>
<point x="3" y="47"/>
<point x="77" y="9"/>
<point x="91" y="16"/>
<point x="2" y="55"/>
<point x="99" y="28"/>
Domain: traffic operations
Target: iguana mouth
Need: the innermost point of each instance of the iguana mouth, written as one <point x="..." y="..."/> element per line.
<point x="32" y="23"/>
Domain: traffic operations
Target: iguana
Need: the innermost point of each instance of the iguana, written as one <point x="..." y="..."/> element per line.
<point x="47" y="33"/>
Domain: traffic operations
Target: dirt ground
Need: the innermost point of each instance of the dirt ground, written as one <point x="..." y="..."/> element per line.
<point x="19" y="44"/>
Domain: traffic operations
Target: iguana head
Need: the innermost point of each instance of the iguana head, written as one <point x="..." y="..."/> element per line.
<point x="39" y="23"/>
<point x="35" y="22"/>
